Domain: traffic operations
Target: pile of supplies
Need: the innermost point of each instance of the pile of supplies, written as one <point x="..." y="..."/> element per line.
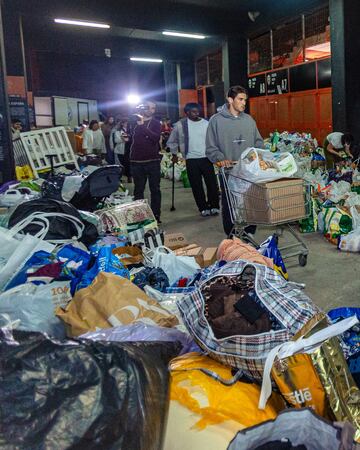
<point x="146" y="340"/>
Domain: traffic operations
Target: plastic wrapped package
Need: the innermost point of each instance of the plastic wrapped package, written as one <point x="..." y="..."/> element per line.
<point x="120" y="217"/>
<point x="143" y="332"/>
<point x="82" y="394"/>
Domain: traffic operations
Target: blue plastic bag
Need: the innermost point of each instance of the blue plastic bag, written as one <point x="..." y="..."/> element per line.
<point x="37" y="260"/>
<point x="107" y="262"/>
<point x="351" y="338"/>
<point x="106" y="241"/>
<point x="270" y="249"/>
<point x="76" y="262"/>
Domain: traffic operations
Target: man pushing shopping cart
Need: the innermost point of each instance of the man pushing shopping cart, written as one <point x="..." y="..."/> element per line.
<point x="230" y="132"/>
<point x="233" y="135"/>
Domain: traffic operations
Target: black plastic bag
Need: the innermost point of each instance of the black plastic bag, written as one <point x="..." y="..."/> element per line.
<point x="82" y="394"/>
<point x="60" y="228"/>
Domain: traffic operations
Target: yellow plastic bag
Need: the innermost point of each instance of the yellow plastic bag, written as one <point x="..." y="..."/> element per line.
<point x="24" y="173"/>
<point x="238" y="401"/>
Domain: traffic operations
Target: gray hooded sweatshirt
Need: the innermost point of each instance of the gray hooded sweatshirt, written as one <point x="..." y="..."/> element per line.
<point x="228" y="136"/>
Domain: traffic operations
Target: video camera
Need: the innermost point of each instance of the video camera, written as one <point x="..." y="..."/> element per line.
<point x="140" y="109"/>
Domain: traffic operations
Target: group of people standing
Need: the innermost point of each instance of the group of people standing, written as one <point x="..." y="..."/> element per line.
<point x="111" y="141"/>
<point x="203" y="144"/>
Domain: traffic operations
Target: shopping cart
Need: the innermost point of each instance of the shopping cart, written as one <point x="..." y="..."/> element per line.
<point x="277" y="204"/>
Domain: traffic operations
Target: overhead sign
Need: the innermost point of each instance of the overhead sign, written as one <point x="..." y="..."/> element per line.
<point x="277" y="82"/>
<point x="257" y="86"/>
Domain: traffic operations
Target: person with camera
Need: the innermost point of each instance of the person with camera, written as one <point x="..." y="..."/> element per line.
<point x="145" y="157"/>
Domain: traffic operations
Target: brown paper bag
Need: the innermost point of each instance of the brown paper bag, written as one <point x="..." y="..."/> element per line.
<point x="112" y="301"/>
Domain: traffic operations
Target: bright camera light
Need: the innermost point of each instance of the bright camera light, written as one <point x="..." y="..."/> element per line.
<point x="133" y="99"/>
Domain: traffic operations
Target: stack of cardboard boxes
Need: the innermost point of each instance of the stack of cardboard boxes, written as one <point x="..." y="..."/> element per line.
<point x="204" y="256"/>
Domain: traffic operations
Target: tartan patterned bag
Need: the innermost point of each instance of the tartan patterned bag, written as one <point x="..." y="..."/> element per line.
<point x="284" y="301"/>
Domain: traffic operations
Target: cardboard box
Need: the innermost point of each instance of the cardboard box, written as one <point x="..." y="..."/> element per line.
<point x="274" y="202"/>
<point x="210" y="256"/>
<point x="203" y="256"/>
<point x="175" y="240"/>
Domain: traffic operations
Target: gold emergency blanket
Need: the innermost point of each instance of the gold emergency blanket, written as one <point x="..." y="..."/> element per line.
<point x="320" y="379"/>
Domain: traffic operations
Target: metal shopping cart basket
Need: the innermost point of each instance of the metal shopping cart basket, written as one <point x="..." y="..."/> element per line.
<point x="276" y="204"/>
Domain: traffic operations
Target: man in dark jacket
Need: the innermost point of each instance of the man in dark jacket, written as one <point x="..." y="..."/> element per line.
<point x="145" y="158"/>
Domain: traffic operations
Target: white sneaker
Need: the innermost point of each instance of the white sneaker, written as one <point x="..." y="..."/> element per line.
<point x="205" y="213"/>
<point x="215" y="211"/>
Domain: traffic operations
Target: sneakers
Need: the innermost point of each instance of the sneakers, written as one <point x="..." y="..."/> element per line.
<point x="215" y="211"/>
<point x="205" y="213"/>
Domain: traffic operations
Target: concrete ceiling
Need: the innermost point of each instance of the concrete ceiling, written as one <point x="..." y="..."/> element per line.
<point x="135" y="21"/>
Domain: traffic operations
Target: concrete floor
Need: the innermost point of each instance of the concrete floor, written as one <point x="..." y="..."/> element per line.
<point x="332" y="277"/>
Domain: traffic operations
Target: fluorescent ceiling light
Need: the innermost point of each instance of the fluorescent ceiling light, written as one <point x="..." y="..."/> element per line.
<point x="82" y="23"/>
<point x="185" y="35"/>
<point x="133" y="99"/>
<point x="150" y="60"/>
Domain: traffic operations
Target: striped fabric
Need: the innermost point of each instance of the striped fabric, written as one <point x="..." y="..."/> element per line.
<point x="284" y="301"/>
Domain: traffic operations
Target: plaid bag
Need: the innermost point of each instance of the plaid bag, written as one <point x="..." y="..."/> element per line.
<point x="284" y="301"/>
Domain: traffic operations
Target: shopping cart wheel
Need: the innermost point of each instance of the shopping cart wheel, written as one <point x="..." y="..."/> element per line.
<point x="302" y="260"/>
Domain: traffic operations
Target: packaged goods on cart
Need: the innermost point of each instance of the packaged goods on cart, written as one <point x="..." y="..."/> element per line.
<point x="260" y="165"/>
<point x="312" y="371"/>
<point x="83" y="394"/>
<point x="255" y="301"/>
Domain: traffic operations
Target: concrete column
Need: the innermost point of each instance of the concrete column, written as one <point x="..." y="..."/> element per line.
<point x="234" y="56"/>
<point x="7" y="165"/>
<point x="171" y="91"/>
<point x="345" y="72"/>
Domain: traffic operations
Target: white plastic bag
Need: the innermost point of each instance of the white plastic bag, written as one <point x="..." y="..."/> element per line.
<point x="174" y="266"/>
<point x="338" y="191"/>
<point x="350" y="242"/>
<point x="259" y="165"/>
<point x="21" y="247"/>
<point x="35" y="311"/>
